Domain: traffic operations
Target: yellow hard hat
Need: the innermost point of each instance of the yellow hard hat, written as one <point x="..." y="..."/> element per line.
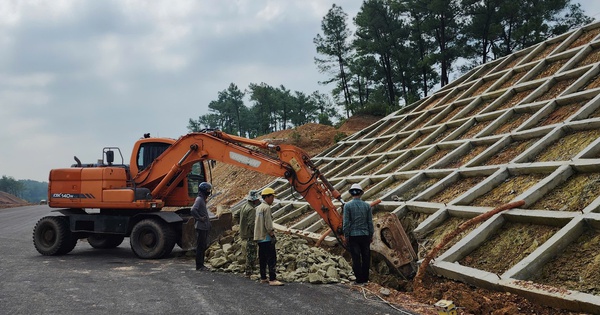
<point x="267" y="191"/>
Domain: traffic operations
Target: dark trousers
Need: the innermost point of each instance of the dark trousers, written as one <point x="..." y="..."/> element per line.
<point x="360" y="250"/>
<point x="201" y="245"/>
<point x="267" y="257"/>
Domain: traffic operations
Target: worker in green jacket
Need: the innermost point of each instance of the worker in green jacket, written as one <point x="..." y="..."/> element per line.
<point x="246" y="216"/>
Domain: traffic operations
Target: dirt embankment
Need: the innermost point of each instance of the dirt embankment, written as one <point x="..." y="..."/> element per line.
<point x="8" y="201"/>
<point x="232" y="183"/>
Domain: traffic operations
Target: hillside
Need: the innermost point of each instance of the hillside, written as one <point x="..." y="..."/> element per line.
<point x="232" y="183"/>
<point x="8" y="201"/>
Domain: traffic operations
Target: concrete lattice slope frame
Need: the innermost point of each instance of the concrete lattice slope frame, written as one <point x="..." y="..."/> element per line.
<point x="524" y="127"/>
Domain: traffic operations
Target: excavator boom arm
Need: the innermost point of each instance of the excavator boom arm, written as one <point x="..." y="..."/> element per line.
<point x="292" y="163"/>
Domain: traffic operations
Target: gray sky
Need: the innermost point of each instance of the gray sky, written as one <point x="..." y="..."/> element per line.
<point x="77" y="76"/>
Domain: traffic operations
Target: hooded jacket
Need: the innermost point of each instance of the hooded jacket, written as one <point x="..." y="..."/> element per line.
<point x="201" y="213"/>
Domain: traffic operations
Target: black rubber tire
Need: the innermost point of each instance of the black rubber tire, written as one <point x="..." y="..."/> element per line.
<point x="51" y="236"/>
<point x="152" y="238"/>
<point x="104" y="241"/>
<point x="69" y="244"/>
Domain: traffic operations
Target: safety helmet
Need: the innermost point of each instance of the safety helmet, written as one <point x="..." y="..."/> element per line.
<point x="253" y="195"/>
<point x="355" y="190"/>
<point x="205" y="188"/>
<point x="267" y="191"/>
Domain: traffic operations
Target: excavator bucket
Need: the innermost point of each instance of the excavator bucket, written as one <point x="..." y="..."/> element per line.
<point x="391" y="242"/>
<point x="188" y="235"/>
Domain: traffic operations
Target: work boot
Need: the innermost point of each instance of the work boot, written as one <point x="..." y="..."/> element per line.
<point x="264" y="281"/>
<point x="275" y="283"/>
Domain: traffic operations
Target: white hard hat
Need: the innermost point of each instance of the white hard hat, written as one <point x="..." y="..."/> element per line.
<point x="356" y="186"/>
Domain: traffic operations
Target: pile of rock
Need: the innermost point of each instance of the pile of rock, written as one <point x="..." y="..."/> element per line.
<point x="297" y="260"/>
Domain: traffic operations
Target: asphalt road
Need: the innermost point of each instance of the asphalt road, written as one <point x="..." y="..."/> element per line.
<point x="91" y="281"/>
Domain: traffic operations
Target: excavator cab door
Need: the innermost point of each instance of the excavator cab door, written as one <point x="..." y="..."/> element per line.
<point x="195" y="177"/>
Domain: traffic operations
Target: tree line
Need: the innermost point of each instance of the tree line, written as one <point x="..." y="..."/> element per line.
<point x="26" y="189"/>
<point x="399" y="51"/>
<point x="273" y="108"/>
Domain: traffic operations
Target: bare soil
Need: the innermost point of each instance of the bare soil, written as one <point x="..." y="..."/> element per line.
<point x="560" y="114"/>
<point x="514" y="62"/>
<point x="435" y="237"/>
<point x="592" y="57"/>
<point x="513" y="122"/>
<point x="420" y="187"/>
<point x="515" y="99"/>
<point x="434" y="158"/>
<point x="516" y="77"/>
<point x="509" y="152"/>
<point x="475" y="129"/>
<point x="576" y="193"/>
<point x="484" y="87"/>
<point x="462" y="159"/>
<point x="508" y="190"/>
<point x="452" y="113"/>
<point x="568" y="146"/>
<point x="551" y="68"/>
<point x="456" y="189"/>
<point x="546" y="51"/>
<point x="556" y="90"/>
<point x="509" y="245"/>
<point x="576" y="268"/>
<point x="444" y="134"/>
<point x="9" y="201"/>
<point x="592" y="84"/>
<point x="585" y="37"/>
<point x="389" y="188"/>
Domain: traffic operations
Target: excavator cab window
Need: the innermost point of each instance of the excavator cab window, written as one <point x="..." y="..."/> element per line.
<point x="149" y="152"/>
<point x="195" y="177"/>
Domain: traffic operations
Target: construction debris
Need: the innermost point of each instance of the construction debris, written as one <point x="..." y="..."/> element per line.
<point x="297" y="260"/>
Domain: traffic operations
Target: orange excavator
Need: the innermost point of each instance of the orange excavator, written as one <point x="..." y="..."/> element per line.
<point x="106" y="202"/>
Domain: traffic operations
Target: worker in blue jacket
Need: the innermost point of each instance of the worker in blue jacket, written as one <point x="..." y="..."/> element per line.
<point x="358" y="233"/>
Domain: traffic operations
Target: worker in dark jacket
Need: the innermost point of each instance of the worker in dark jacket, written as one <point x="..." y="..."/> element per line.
<point x="358" y="233"/>
<point x="201" y="214"/>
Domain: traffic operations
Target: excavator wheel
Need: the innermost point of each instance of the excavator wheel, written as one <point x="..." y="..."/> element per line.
<point x="152" y="238"/>
<point x="51" y="236"/>
<point x="104" y="241"/>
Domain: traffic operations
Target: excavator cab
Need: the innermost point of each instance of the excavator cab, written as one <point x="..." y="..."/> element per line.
<point x="182" y="189"/>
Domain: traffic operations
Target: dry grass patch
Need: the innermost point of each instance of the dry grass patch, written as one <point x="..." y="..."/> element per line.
<point x="507" y="246"/>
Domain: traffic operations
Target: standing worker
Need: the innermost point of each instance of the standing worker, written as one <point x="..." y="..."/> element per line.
<point x="358" y="233"/>
<point x="201" y="214"/>
<point x="247" y="216"/>
<point x="264" y="234"/>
